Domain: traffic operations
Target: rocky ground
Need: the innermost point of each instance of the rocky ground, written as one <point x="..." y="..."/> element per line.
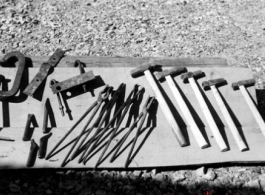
<point x="199" y="28"/>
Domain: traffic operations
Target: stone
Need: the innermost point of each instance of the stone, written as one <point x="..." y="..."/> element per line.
<point x="48" y="191"/>
<point x="100" y="192"/>
<point x="146" y="175"/>
<point x="262" y="177"/>
<point x="154" y="171"/>
<point x="158" y="177"/>
<point x="177" y="177"/>
<point x="14" y="188"/>
<point x="163" y="185"/>
<point x="253" y="184"/>
<point x="86" y="190"/>
<point x="262" y="185"/>
<point x="200" y="172"/>
<point x="78" y="187"/>
<point x="210" y="175"/>
<point x="137" y="173"/>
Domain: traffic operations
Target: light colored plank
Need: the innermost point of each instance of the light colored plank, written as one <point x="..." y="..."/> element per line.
<point x="161" y="147"/>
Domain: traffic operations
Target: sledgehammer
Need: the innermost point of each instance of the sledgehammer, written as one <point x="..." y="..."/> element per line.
<point x="168" y="74"/>
<point x="242" y="86"/>
<point x="189" y="76"/>
<point x="145" y="69"/>
<point x="213" y="84"/>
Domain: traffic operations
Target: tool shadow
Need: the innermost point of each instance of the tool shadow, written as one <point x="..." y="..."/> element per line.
<point x="174" y="111"/>
<point x="236" y="121"/>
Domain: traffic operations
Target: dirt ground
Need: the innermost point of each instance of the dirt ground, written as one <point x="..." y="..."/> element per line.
<point x="234" y="29"/>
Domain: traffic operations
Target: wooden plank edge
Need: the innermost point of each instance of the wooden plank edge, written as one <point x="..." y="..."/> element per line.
<point x="97" y="61"/>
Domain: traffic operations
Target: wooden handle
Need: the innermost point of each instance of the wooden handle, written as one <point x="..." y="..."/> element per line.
<point x="185" y="110"/>
<point x="253" y="109"/>
<point x="241" y="144"/>
<point x="208" y="116"/>
<point x="165" y="108"/>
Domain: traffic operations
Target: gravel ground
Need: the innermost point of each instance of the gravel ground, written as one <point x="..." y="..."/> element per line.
<point x="201" y="28"/>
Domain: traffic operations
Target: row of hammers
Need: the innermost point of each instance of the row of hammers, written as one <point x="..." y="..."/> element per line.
<point x="190" y="77"/>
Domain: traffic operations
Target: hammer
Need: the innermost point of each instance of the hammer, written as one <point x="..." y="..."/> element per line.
<point x="168" y="74"/>
<point x="189" y="76"/>
<point x="213" y="84"/>
<point x="145" y="69"/>
<point x="242" y="86"/>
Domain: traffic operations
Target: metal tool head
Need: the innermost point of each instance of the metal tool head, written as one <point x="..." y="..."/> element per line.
<point x="246" y="83"/>
<point x="173" y="71"/>
<point x="196" y="74"/>
<point x="139" y="71"/>
<point x="217" y="82"/>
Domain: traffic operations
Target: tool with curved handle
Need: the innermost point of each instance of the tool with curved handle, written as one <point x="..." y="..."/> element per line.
<point x="21" y="66"/>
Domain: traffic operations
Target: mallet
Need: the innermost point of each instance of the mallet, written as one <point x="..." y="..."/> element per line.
<point x="189" y="76"/>
<point x="145" y="69"/>
<point x="168" y="74"/>
<point x="242" y="86"/>
<point x="213" y="84"/>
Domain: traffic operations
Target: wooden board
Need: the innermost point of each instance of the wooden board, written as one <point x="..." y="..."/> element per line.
<point x="157" y="146"/>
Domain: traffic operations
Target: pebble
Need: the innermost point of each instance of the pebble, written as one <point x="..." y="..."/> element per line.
<point x="14" y="188"/>
<point x="100" y="192"/>
<point x="262" y="185"/>
<point x="253" y="184"/>
<point x="210" y="175"/>
<point x="137" y="173"/>
<point x="200" y="172"/>
<point x="48" y="191"/>
<point x="78" y="187"/>
<point x="158" y="177"/>
<point x="177" y="177"/>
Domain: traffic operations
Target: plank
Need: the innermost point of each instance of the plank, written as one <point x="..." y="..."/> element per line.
<point x="94" y="61"/>
<point x="158" y="139"/>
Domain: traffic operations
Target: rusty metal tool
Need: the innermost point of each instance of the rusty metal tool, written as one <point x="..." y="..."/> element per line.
<point x="102" y="97"/>
<point x="213" y="84"/>
<point x="20" y="70"/>
<point x="44" y="72"/>
<point x="43" y="145"/>
<point x="189" y="77"/>
<point x="125" y="107"/>
<point x="73" y="82"/>
<point x="145" y="69"/>
<point x="27" y="132"/>
<point x="144" y="114"/>
<point x="167" y="74"/>
<point x="32" y="153"/>
<point x="105" y="113"/>
<point x="122" y="140"/>
<point x="242" y="85"/>
<point x="72" y="128"/>
<point x="52" y="82"/>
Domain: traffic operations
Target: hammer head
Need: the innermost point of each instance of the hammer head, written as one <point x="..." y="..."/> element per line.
<point x="217" y="82"/>
<point x="139" y="71"/>
<point x="174" y="71"/>
<point x="246" y="83"/>
<point x="195" y="74"/>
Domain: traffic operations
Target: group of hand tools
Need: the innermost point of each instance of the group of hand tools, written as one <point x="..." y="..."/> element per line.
<point x="189" y="77"/>
<point x="86" y="146"/>
<point x="104" y="123"/>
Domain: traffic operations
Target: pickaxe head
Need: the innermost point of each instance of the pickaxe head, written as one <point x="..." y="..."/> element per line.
<point x="196" y="74"/>
<point x="217" y="82"/>
<point x="139" y="71"/>
<point x="246" y="83"/>
<point x="173" y="71"/>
